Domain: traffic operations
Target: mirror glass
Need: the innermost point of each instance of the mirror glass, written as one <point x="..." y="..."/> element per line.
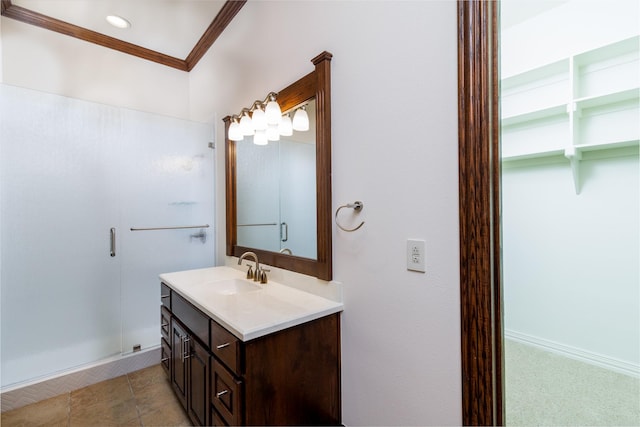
<point x="278" y="196"/>
<point x="276" y="192"/>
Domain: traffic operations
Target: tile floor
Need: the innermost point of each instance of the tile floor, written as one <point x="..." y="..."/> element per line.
<point x="141" y="398"/>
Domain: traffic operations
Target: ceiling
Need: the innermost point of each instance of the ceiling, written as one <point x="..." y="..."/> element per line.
<point x="176" y="33"/>
<point x="513" y="12"/>
<point x="173" y="32"/>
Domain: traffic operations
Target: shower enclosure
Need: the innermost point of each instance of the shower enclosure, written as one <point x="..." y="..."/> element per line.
<point x="91" y="196"/>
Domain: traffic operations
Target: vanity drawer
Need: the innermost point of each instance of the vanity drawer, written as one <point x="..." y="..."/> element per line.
<point x="165" y="295"/>
<point x="226" y="347"/>
<point x="196" y="321"/>
<point x="165" y="322"/>
<point x="226" y="393"/>
<point x="217" y="419"/>
<point x="165" y="356"/>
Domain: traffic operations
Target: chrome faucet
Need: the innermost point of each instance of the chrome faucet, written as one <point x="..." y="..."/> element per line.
<point x="250" y="274"/>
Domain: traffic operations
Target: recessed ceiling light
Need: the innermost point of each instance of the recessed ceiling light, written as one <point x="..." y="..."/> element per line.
<point x="118" y="21"/>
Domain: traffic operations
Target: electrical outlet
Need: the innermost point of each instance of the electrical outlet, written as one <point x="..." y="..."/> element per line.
<point x="415" y="255"/>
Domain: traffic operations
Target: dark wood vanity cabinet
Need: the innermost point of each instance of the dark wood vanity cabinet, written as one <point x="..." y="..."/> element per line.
<point x="289" y="377"/>
<point x="198" y="384"/>
<point x="292" y="377"/>
<point x="190" y="358"/>
<point x="165" y="328"/>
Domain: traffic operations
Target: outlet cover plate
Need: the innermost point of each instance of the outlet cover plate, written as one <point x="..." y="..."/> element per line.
<point x="416" y="255"/>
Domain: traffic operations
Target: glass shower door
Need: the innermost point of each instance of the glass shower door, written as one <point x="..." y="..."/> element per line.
<point x="166" y="173"/>
<point x="60" y="286"/>
<point x="71" y="171"/>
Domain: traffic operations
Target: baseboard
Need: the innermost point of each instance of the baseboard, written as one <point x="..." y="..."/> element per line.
<point x="18" y="395"/>
<point x="631" y="369"/>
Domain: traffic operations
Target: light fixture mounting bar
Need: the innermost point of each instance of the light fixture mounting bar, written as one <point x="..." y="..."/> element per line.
<point x="270" y="96"/>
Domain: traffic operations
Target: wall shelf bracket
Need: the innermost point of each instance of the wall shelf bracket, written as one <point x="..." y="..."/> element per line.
<point x="574" y="156"/>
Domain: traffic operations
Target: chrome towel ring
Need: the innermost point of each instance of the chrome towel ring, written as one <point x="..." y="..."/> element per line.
<point x="356" y="206"/>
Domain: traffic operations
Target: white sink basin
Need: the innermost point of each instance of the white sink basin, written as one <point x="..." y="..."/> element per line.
<point x="233" y="286"/>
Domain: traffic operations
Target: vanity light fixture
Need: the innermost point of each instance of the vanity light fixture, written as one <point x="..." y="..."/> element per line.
<point x="118" y="21"/>
<point x="272" y="133"/>
<point x="285" y="127"/>
<point x="235" y="132"/>
<point x="260" y="138"/>
<point x="259" y="118"/>
<point x="265" y="121"/>
<point x="301" y="119"/>
<point x="246" y="126"/>
<point x="272" y="111"/>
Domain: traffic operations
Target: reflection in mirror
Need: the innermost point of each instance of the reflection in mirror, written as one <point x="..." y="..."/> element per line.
<point x="276" y="192"/>
<point x="278" y="195"/>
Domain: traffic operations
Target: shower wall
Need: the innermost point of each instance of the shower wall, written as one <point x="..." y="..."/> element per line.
<point x="71" y="171"/>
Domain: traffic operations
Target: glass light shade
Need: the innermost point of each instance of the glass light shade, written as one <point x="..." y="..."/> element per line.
<point x="235" y="134"/>
<point x="260" y="138"/>
<point x="272" y="112"/>
<point x="272" y="133"/>
<point x="246" y="125"/>
<point x="259" y="119"/>
<point x="285" y="128"/>
<point x="301" y="120"/>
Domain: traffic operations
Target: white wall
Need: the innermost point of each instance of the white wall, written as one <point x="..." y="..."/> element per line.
<point x="571" y="261"/>
<point x="393" y="62"/>
<point x="570" y="27"/>
<point x="1" y="55"/>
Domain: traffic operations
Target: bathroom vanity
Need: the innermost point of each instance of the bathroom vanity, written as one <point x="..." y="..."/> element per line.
<point x="241" y="353"/>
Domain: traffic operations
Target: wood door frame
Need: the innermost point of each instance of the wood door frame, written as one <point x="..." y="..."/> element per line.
<point x="479" y="192"/>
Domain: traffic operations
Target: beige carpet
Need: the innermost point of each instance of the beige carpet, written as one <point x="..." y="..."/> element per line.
<point x="546" y="389"/>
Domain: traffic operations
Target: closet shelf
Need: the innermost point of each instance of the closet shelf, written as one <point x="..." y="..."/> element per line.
<point x="538" y="114"/>
<point x="533" y="155"/>
<point x="593" y="101"/>
<point x="632" y="94"/>
<point x="584" y="148"/>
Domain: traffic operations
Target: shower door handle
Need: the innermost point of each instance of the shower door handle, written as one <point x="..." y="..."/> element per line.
<point x="113" y="242"/>
<point x="284" y="232"/>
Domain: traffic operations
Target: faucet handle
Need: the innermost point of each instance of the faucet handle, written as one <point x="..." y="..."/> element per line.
<point x="263" y="275"/>
<point x="250" y="274"/>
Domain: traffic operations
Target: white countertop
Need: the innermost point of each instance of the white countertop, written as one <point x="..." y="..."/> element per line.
<point x="246" y="308"/>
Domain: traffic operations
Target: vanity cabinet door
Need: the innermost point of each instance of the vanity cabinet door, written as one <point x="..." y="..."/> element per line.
<point x="178" y="362"/>
<point x="198" y="384"/>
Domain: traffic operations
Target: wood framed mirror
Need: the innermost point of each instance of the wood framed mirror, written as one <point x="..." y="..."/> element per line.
<point x="313" y="88"/>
